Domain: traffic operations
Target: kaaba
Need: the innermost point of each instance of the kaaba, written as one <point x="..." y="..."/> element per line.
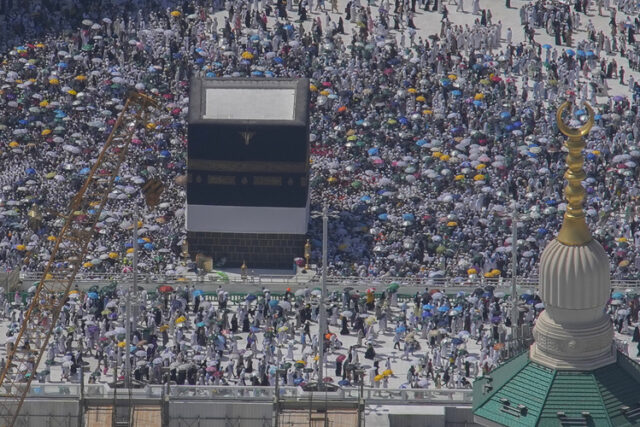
<point x="248" y="170"/>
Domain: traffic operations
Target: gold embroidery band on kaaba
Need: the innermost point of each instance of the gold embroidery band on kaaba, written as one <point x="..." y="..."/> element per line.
<point x="246" y="167"/>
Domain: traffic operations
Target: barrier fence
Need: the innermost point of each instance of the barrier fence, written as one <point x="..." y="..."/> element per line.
<point x="417" y="283"/>
<point x="384" y="396"/>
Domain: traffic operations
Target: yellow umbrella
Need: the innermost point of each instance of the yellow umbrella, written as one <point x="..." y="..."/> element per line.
<point x="175" y="13"/>
<point x="392" y="121"/>
<point x="40" y="45"/>
<point x="472" y="271"/>
<point x="478" y="96"/>
<point x="113" y="255"/>
<point x="445" y="157"/>
<point x="54" y="81"/>
<point x="21" y="247"/>
<point x="181" y="319"/>
<point x="163" y="328"/>
<point x="458" y="177"/>
<point x="51" y="238"/>
<point x="130" y="250"/>
<point x="478" y="177"/>
<point x="427" y="112"/>
<point x="496" y="272"/>
<point x="481" y="166"/>
<point x="146" y="239"/>
<point x="452" y="77"/>
<point x="45" y="132"/>
<point x="73" y="291"/>
<point x="87" y="265"/>
<point x="378" y="378"/>
<point x="247" y="55"/>
<point x="332" y="180"/>
<point x="14" y="144"/>
<point x="48" y="276"/>
<point x="420" y="98"/>
<point x="452" y="224"/>
<point x="122" y="344"/>
<point x="301" y="362"/>
<point x="81" y="78"/>
<point x="387" y="372"/>
<point x="622" y="239"/>
<point x="44" y="103"/>
<point x="436" y="154"/>
<point x="151" y="126"/>
<point x="324" y="92"/>
<point x="596" y="152"/>
<point x="72" y="92"/>
<point x="411" y="90"/>
<point x="313" y="88"/>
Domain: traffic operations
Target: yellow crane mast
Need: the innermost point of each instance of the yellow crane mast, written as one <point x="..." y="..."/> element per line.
<point x="70" y="249"/>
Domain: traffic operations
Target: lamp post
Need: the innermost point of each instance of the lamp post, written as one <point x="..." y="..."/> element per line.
<point x="307" y="254"/>
<point x="515" y="315"/>
<point x="322" y="308"/>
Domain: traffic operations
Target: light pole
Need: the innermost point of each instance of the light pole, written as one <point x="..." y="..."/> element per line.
<point x="515" y="315"/>
<point x="322" y="308"/>
<point x="130" y="318"/>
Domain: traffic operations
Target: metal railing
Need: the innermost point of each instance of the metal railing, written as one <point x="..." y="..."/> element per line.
<point x="407" y="283"/>
<point x="252" y="393"/>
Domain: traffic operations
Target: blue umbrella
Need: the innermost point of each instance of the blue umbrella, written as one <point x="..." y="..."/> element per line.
<point x="273" y="303"/>
<point x="254" y="329"/>
<point x="200" y="324"/>
<point x="30" y="171"/>
<point x="477" y="103"/>
<point x="401" y="328"/>
<point x="165" y="153"/>
<point x="84" y="171"/>
<point x="505" y="115"/>
<point x="257" y="73"/>
<point x="93" y="295"/>
<point x="456" y="92"/>
<point x="517" y="124"/>
<point x="148" y="246"/>
<point x="617" y="295"/>
<point x="421" y="142"/>
<point x="590" y="53"/>
<point x="597" y="116"/>
<point x="580" y="112"/>
<point x="198" y="293"/>
<point x="251" y="297"/>
<point x="278" y="60"/>
<point x="456" y="341"/>
<point x="546" y="46"/>
<point x="298" y="381"/>
<point x="372" y="151"/>
<point x="427" y="307"/>
<point x="141" y="241"/>
<point x="427" y="314"/>
<point x="408" y="217"/>
<point x="342" y="382"/>
<point x="403" y="120"/>
<point x="570" y="52"/>
<point x="581" y="52"/>
<point x="365" y="198"/>
<point x="210" y="74"/>
<point x="358" y="122"/>
<point x="458" y="308"/>
<point x="383" y="217"/>
<point x="62" y="64"/>
<point x="443" y="309"/>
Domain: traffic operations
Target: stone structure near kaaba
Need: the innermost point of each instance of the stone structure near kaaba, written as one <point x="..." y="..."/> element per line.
<point x="248" y="170"/>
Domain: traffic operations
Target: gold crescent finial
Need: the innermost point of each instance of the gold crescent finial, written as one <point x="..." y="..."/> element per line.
<point x="574" y="230"/>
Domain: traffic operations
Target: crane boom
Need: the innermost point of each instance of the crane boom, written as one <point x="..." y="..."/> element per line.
<point x="66" y="258"/>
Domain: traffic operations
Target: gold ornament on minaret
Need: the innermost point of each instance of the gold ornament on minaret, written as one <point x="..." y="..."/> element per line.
<point x="307" y="253"/>
<point x="574" y="230"/>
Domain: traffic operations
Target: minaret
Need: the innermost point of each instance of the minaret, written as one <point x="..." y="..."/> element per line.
<point x="572" y="374"/>
<point x="574" y="332"/>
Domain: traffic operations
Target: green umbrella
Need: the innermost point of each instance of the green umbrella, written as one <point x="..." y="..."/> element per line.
<point x="356" y="184"/>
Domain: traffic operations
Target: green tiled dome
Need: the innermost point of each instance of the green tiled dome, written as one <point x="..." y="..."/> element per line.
<point x="524" y="393"/>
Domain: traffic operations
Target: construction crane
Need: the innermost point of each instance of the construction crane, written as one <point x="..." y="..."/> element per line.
<point x="70" y="249"/>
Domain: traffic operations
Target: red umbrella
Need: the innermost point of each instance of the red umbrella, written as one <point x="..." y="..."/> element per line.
<point x="341" y="358"/>
<point x="165" y="288"/>
<point x="327" y="379"/>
